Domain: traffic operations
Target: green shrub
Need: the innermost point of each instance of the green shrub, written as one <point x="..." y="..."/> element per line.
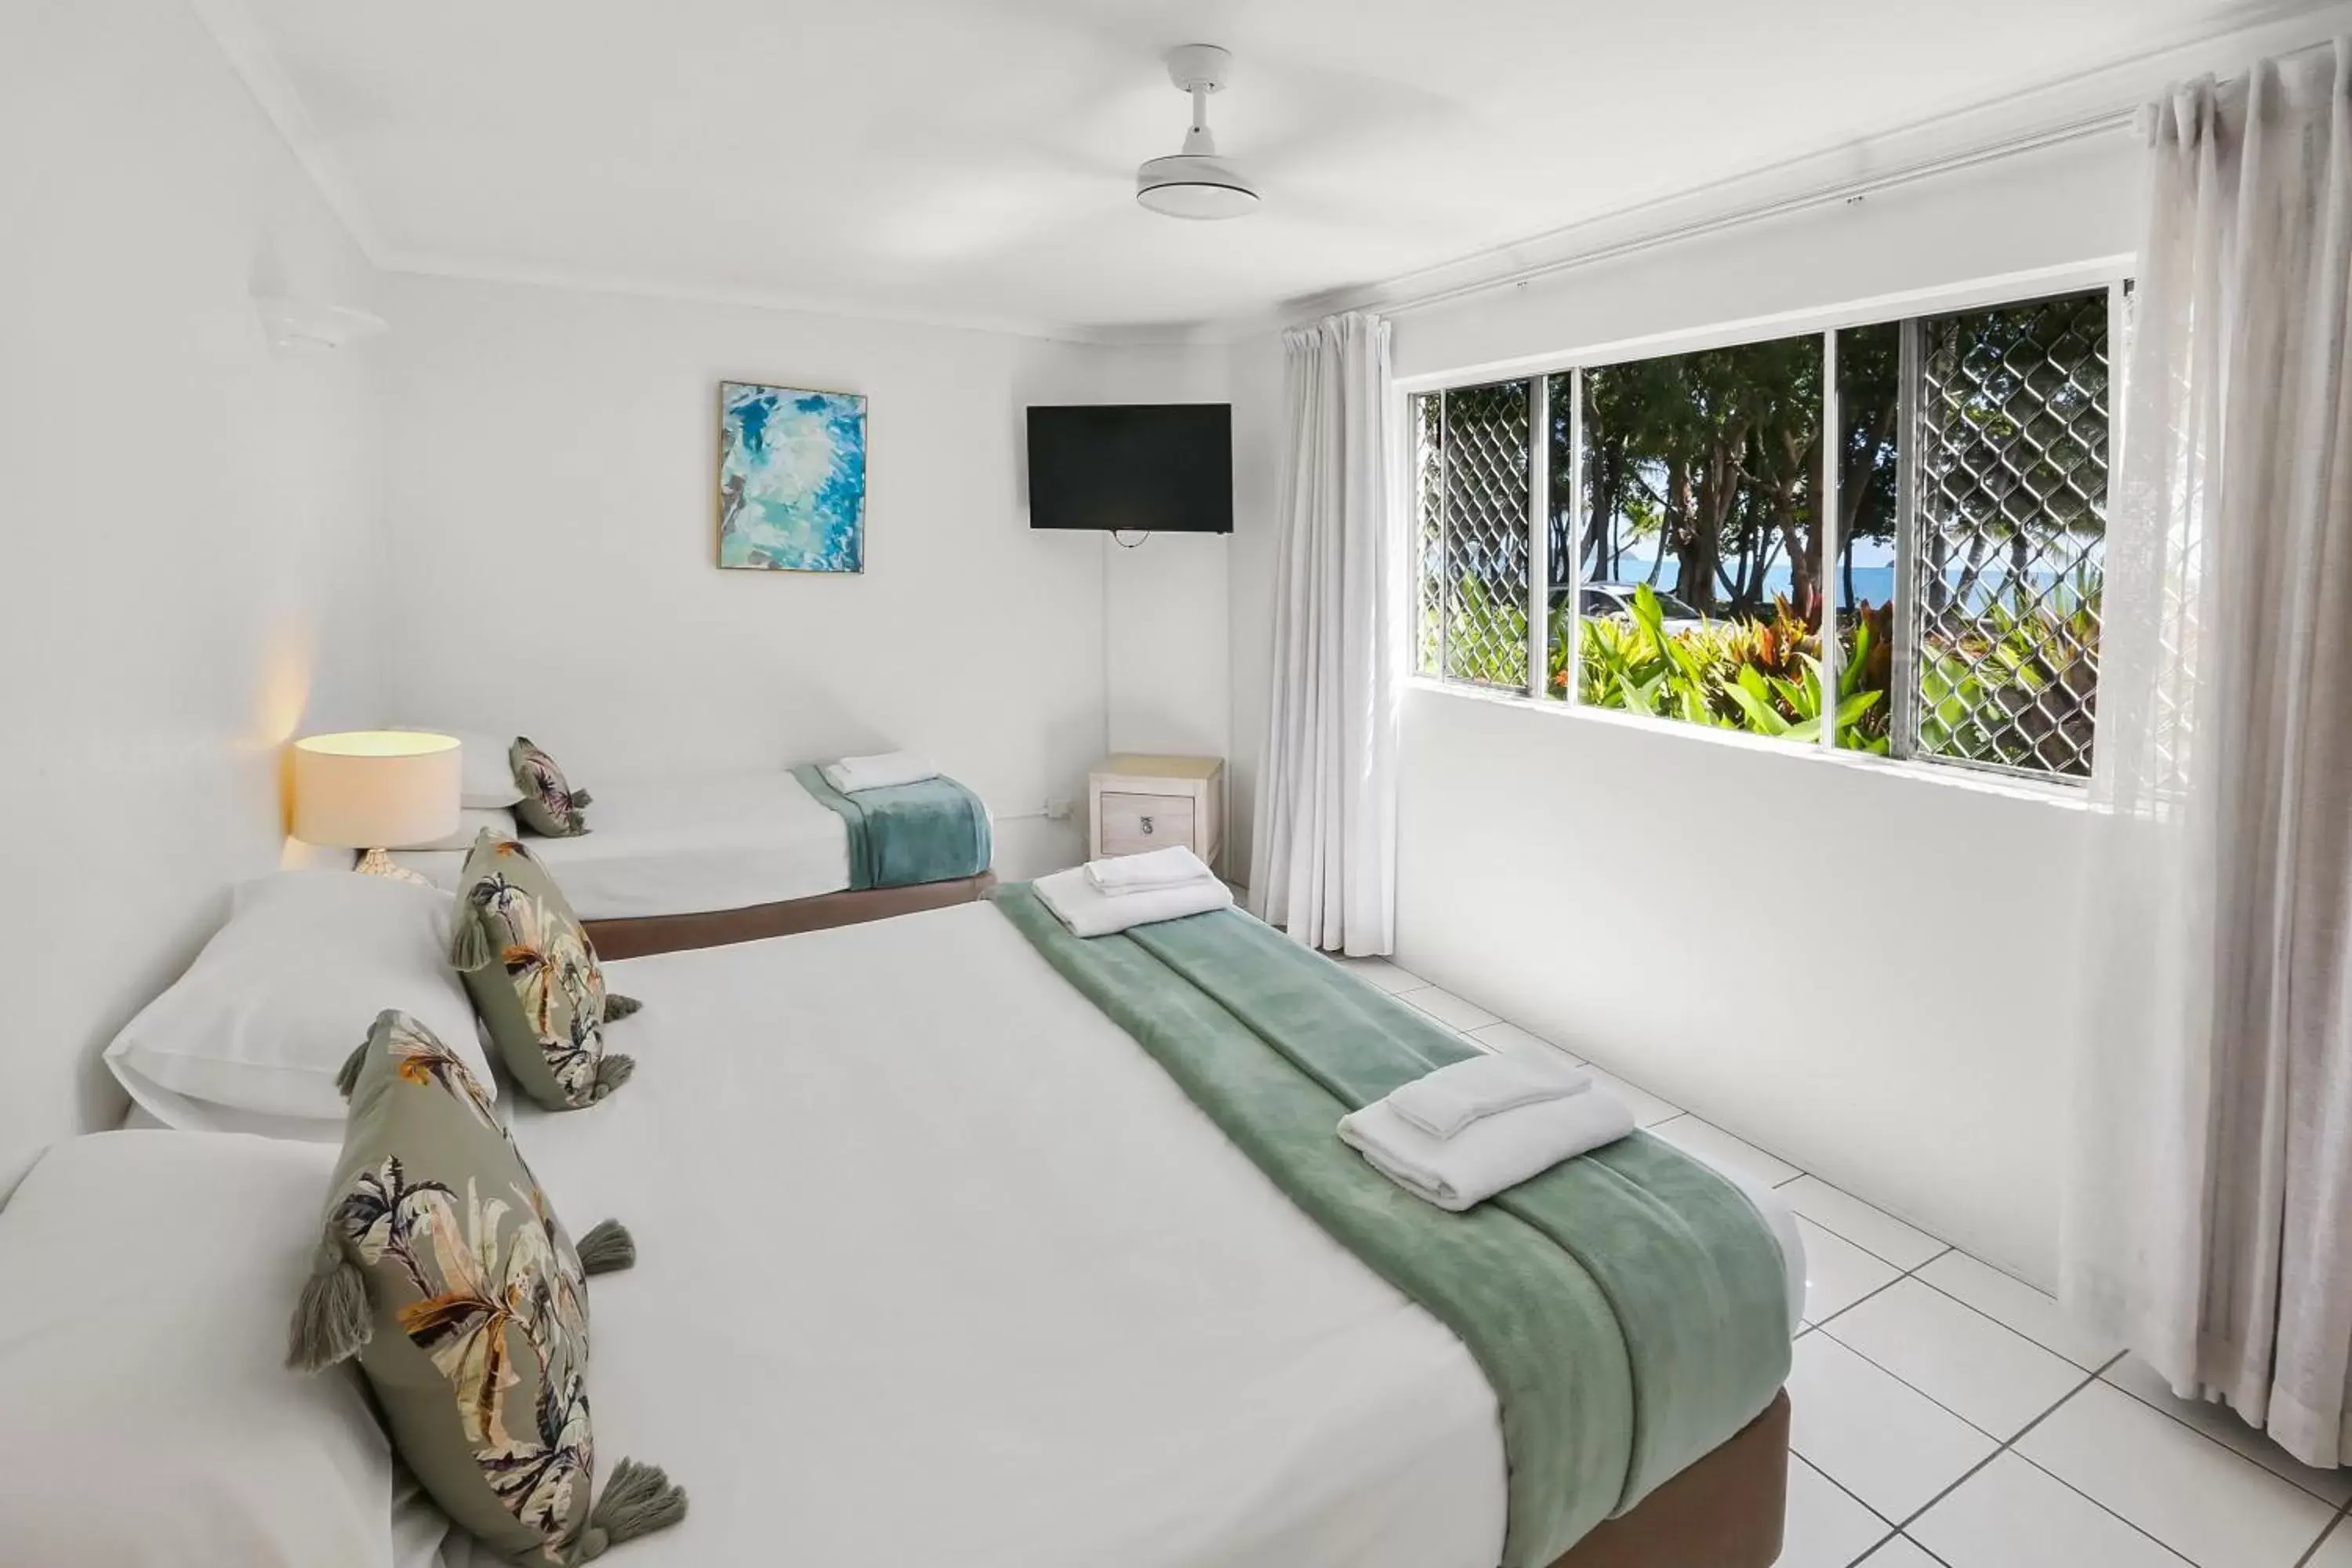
<point x="1764" y="678"/>
<point x="2010" y="686"/>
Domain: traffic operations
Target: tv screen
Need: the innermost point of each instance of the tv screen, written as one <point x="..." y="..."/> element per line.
<point x="1162" y="468"/>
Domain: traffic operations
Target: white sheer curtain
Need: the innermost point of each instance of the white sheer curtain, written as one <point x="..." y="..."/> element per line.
<point x="1324" y="863"/>
<point x="2207" y="1219"/>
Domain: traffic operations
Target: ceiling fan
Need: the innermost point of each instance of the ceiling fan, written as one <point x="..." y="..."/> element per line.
<point x="1196" y="182"/>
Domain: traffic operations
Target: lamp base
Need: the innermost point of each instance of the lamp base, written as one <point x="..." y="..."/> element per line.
<point x="380" y="863"/>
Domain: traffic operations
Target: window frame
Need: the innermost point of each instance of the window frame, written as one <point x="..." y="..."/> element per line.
<point x="2112" y="274"/>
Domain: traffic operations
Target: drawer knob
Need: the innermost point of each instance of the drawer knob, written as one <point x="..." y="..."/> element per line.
<point x="1147" y="827"/>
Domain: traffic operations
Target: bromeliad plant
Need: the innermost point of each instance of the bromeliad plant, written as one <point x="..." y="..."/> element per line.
<point x="1793" y="709"/>
<point x="1761" y="677"/>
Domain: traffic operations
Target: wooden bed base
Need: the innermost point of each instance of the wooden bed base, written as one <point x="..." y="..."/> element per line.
<point x="1725" y="1511"/>
<point x="670" y="933"/>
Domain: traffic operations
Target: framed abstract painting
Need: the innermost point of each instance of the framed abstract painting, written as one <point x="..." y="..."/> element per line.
<point x="791" y="478"/>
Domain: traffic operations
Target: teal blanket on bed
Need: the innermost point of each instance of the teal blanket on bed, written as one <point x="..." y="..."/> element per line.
<point x="1628" y="1307"/>
<point x="934" y="831"/>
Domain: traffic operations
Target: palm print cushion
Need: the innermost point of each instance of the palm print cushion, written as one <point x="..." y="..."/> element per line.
<point x="533" y="976"/>
<point x="479" y="1354"/>
<point x="549" y="806"/>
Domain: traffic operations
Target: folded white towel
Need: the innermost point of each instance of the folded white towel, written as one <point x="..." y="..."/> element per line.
<point x="1170" y="867"/>
<point x="1496" y="1152"/>
<point x="1090" y="911"/>
<point x="1444" y="1103"/>
<point x="879" y="772"/>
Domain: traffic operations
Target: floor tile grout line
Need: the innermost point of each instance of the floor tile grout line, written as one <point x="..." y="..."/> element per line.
<point x="2010" y="1446"/>
<point x="1865" y="1202"/>
<point x="1873" y="1546"/>
<point x="1891" y="1528"/>
<point x="2097" y="1373"/>
<point x="1919" y="1546"/>
<point x="2116" y="1513"/>
<point x="1881" y="1290"/>
<point x="1965" y="1475"/>
<point x="2011" y="1328"/>
<point x="2088" y="1381"/>
<point x="2175" y="1417"/>
<point x="2329" y="1529"/>
<point x="1795" y="1174"/>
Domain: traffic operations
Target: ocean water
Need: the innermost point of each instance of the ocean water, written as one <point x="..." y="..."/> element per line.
<point x="1872" y="584"/>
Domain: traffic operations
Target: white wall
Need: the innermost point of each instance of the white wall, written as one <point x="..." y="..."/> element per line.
<point x="1848" y="965"/>
<point x="1866" y="970"/>
<point x="1167" y="643"/>
<point x="187" y="523"/>
<point x="552" y="512"/>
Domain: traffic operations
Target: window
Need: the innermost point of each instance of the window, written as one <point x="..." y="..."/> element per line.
<point x="1475" y="477"/>
<point x="1886" y="538"/>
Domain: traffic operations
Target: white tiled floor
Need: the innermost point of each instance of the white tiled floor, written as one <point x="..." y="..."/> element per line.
<point x="1947" y="1417"/>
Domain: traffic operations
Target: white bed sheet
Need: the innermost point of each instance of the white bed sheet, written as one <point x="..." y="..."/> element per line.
<point x="684" y="845"/>
<point x="936" y="1265"/>
<point x="949" y="1271"/>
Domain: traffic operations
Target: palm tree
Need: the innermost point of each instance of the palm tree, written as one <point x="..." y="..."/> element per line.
<point x="379" y="1215"/>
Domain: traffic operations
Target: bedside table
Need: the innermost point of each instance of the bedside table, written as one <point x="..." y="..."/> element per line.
<point x="1137" y="802"/>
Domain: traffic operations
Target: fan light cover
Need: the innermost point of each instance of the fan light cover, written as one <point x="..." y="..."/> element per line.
<point x="1193" y="185"/>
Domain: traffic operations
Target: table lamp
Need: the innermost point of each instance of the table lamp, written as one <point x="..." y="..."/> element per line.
<point x="370" y="788"/>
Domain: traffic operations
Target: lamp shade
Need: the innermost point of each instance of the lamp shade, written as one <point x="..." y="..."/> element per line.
<point x="373" y="788"/>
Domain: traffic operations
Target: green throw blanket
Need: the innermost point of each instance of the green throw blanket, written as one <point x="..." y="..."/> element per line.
<point x="934" y="831"/>
<point x="1628" y="1307"/>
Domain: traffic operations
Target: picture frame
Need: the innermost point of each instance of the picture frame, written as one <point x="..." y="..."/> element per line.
<point x="790" y="478"/>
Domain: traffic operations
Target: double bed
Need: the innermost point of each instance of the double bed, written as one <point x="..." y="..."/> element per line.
<point x="955" y="1272"/>
<point x="702" y="859"/>
<point x="936" y="1260"/>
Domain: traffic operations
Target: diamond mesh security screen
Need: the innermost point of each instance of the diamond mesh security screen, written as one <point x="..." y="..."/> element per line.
<point x="1429" y="533"/>
<point x="2007" y="565"/>
<point x="1472" y="466"/>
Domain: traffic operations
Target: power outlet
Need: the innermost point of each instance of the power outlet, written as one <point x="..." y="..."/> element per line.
<point x="1057" y="811"/>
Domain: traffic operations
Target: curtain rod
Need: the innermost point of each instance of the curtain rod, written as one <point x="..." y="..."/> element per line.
<point x="2102" y="124"/>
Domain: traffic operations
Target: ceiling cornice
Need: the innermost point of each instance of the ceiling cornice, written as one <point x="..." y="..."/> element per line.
<point x="248" y="49"/>
<point x="587" y="280"/>
<point x="2065" y="109"/>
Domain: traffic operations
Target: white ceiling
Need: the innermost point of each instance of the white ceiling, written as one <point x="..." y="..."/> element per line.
<point x="973" y="159"/>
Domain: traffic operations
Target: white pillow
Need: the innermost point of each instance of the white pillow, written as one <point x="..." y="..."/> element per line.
<point x="471" y="820"/>
<point x="251" y="1037"/>
<point x="486" y="776"/>
<point x="146" y="1412"/>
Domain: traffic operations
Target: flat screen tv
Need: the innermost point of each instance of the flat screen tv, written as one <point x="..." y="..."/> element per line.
<point x="1161" y="467"/>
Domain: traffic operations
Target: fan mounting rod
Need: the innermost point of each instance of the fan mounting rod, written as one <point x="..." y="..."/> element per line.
<point x="1199" y="69"/>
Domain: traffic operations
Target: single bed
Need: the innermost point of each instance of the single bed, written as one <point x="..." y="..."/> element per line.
<point x="699" y="860"/>
<point x="955" y="1272"/>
